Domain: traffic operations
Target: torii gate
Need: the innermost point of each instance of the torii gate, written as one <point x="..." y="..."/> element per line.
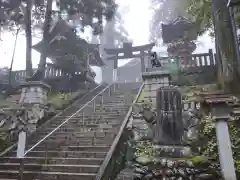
<point x="128" y="52"/>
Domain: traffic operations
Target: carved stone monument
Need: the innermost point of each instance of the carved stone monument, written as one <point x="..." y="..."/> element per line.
<point x="169" y="128"/>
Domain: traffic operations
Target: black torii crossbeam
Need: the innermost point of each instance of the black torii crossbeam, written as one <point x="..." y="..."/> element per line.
<point x="127" y="52"/>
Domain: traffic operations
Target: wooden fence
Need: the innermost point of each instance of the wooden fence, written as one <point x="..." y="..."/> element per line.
<point x="57" y="78"/>
<point x="51" y="72"/>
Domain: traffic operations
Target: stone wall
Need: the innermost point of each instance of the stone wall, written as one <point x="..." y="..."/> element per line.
<point x="148" y="161"/>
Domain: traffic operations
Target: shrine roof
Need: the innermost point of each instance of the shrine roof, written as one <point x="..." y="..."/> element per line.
<point x="64" y="43"/>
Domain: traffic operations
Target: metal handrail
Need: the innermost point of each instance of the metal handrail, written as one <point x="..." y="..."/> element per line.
<point x="66" y="121"/>
<point x="109" y="155"/>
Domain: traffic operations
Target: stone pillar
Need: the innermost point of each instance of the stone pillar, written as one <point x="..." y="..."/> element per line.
<point x="34" y="100"/>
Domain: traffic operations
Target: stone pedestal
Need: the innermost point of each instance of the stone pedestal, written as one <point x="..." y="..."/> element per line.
<point x="153" y="79"/>
<point x="34" y="92"/>
<point x="34" y="100"/>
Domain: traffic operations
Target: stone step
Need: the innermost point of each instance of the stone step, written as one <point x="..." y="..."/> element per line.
<point x="72" y="141"/>
<point x="85" y="121"/>
<point x="54" y="160"/>
<point x="76" y="139"/>
<point x="89" y="133"/>
<point x="52" y="167"/>
<point x="59" y="120"/>
<point x="89" y="116"/>
<point x="65" y="154"/>
<point x="97" y="120"/>
<point x="91" y="148"/>
<point x="44" y="175"/>
<point x="90" y="119"/>
<point x="87" y="125"/>
<point x="103" y="113"/>
<point x="82" y="129"/>
<point x="101" y="136"/>
<point x="57" y="143"/>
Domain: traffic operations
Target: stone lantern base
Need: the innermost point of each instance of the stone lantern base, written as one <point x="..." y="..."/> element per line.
<point x="32" y="109"/>
<point x="34" y="100"/>
<point x="153" y="80"/>
<point x="34" y="92"/>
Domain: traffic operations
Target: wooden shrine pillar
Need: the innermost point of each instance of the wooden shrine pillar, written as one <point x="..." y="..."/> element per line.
<point x="142" y="57"/>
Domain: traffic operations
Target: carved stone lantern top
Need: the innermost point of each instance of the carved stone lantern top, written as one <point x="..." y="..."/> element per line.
<point x="180" y="28"/>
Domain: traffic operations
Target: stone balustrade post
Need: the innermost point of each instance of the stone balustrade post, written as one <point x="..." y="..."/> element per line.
<point x="224" y="148"/>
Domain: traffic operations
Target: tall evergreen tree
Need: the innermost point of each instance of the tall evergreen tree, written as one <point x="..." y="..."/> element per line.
<point x="87" y="12"/>
<point x="164" y="11"/>
<point x="210" y="13"/>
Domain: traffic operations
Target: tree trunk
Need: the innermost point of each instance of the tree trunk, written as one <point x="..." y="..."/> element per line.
<point x="28" y="31"/>
<point x="45" y="40"/>
<point x="226" y="45"/>
<point x="13" y="56"/>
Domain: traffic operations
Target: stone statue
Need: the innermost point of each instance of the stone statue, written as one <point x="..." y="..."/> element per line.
<point x="154" y="60"/>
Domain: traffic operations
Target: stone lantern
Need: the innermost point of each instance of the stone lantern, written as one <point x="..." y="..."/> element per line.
<point x="179" y="36"/>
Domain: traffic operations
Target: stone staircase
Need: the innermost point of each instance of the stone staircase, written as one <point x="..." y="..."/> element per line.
<point x="79" y="145"/>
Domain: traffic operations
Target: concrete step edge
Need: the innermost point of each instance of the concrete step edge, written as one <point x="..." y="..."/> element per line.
<point x="48" y="173"/>
<point x="51" y="165"/>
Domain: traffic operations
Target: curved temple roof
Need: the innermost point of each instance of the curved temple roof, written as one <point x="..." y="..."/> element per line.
<point x="179" y="29"/>
<point x="65" y="43"/>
